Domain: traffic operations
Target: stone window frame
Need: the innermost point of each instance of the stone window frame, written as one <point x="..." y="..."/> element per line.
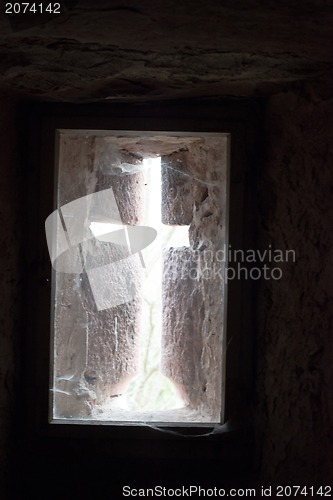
<point x="234" y="117"/>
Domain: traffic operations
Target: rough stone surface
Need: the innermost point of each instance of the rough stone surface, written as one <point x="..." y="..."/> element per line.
<point x="194" y="193"/>
<point x="112" y="50"/>
<point x="189" y="177"/>
<point x="193" y="331"/>
<point x="294" y="376"/>
<point x="180" y="191"/>
<point x="95" y="351"/>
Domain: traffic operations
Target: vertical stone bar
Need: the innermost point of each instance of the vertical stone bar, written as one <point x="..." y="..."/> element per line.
<point x="193" y="278"/>
<point x="193" y="329"/>
<point x="182" y="307"/>
<point x="179" y="190"/>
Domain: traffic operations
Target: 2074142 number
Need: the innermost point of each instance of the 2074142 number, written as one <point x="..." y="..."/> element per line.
<point x="32" y="8"/>
<point x="292" y="491"/>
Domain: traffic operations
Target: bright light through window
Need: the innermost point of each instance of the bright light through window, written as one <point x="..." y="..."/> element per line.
<point x="138" y="304"/>
<point x="150" y="391"/>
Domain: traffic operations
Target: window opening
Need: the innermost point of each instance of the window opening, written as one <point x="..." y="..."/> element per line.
<point x="146" y="214"/>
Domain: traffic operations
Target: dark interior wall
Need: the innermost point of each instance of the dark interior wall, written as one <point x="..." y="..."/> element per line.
<point x="129" y="49"/>
<point x="276" y="51"/>
<point x="10" y="274"/>
<point x="293" y="411"/>
<point x="294" y="359"/>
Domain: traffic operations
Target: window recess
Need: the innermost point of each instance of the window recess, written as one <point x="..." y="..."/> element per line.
<point x="137" y="240"/>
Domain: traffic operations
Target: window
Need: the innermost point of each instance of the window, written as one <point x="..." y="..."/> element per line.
<point x="69" y="384"/>
<point x="137" y="242"/>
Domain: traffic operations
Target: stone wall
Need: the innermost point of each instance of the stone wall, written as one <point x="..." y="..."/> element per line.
<point x="133" y="50"/>
<point x="115" y="51"/>
<point x="294" y="358"/>
<point x="294" y="349"/>
<point x="10" y="282"/>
